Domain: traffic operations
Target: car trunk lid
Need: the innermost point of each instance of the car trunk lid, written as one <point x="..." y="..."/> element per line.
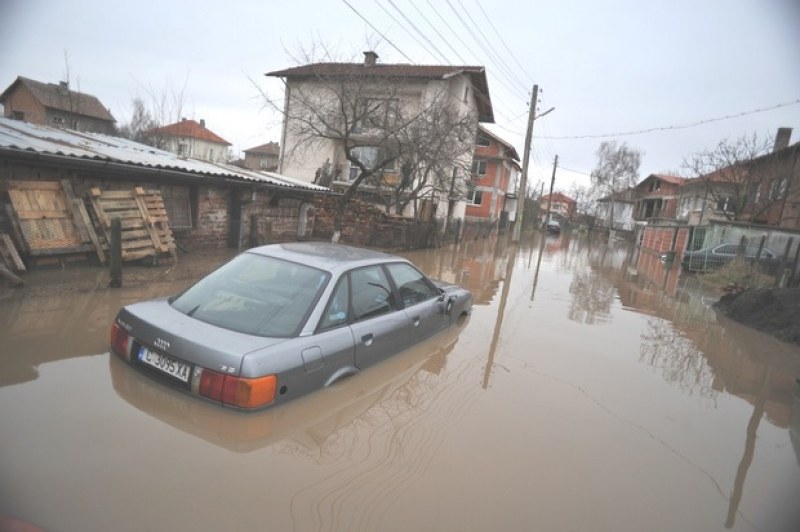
<point x="156" y="325"/>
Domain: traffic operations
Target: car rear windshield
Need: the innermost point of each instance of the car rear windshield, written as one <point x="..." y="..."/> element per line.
<point x="255" y="294"/>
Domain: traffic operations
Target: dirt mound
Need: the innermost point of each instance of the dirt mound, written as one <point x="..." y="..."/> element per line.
<point x="774" y="311"/>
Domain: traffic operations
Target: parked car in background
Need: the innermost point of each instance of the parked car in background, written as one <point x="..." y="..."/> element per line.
<point x="279" y="321"/>
<point x="713" y="257"/>
<point x="553" y="227"/>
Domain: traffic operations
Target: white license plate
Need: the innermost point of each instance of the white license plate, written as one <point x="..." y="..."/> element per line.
<point x="166" y="364"/>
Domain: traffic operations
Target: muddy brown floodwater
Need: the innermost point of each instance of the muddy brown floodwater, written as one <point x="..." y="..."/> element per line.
<point x="575" y="398"/>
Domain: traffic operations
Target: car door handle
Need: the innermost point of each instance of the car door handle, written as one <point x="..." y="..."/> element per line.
<point x="415" y="321"/>
<point x="367" y="339"/>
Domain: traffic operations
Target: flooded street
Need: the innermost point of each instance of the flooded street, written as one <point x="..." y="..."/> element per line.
<point x="577" y="397"/>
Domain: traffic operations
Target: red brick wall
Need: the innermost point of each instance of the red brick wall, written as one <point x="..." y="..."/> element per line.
<point x="659" y="239"/>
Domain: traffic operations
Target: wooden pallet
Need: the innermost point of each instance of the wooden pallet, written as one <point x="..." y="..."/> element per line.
<point x="47" y="219"/>
<point x="144" y="220"/>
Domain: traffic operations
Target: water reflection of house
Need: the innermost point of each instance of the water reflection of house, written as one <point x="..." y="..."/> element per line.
<point x="702" y="352"/>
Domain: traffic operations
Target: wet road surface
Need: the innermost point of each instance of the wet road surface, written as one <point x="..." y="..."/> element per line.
<point x="575" y="398"/>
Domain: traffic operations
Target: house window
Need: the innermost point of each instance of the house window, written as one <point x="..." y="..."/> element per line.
<point x="182" y="149"/>
<point x="725" y="204"/>
<point x="371" y="157"/>
<point x="474" y="197"/>
<point x="778" y="189"/>
<point x="375" y="113"/>
<point x="178" y="204"/>
<point x="754" y="192"/>
<point x="18" y="115"/>
<point x="58" y="119"/>
<point x="483" y="141"/>
<point x="479" y="166"/>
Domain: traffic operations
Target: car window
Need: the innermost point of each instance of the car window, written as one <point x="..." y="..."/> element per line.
<point x="727" y="249"/>
<point x="336" y="312"/>
<point x="371" y="293"/>
<point x="412" y="286"/>
<point x="254" y="294"/>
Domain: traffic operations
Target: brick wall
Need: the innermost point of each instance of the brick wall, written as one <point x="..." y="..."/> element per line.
<point x="366" y="225"/>
<point x="23" y="100"/>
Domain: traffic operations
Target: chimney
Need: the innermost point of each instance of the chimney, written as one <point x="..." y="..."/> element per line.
<point x="63" y="87"/>
<point x="782" y="138"/>
<point x="202" y="123"/>
<point x="370" y="58"/>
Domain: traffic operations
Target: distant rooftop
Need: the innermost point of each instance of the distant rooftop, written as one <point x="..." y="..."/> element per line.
<point x="190" y="129"/>
<point x="61" y="97"/>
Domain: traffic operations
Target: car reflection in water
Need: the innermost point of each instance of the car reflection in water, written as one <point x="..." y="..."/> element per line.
<point x="309" y="420"/>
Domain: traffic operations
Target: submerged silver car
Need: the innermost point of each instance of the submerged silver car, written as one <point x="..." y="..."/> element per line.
<point x="279" y="321"/>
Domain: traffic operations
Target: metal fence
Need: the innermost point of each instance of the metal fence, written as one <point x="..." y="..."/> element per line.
<point x="772" y="251"/>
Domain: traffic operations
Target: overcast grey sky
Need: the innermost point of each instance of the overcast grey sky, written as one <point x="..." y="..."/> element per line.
<point x="608" y="67"/>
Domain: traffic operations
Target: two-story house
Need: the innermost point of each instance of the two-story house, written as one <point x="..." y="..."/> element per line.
<point x="562" y="207"/>
<point x="657" y="197"/>
<point x="495" y="168"/>
<point x="55" y="105"/>
<point x="764" y="190"/>
<point x="385" y="126"/>
<point x="264" y="157"/>
<point x="190" y="139"/>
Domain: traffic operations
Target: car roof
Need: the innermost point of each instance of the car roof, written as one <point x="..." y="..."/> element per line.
<point x="325" y="255"/>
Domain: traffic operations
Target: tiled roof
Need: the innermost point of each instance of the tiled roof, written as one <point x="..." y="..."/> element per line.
<point x="61" y="97"/>
<point x="677" y="180"/>
<point x="477" y="76"/>
<point x="17" y="136"/>
<point x="270" y="148"/>
<point x="558" y="196"/>
<point x="191" y="129"/>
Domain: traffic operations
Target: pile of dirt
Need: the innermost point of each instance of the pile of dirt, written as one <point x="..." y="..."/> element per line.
<point x="773" y="311"/>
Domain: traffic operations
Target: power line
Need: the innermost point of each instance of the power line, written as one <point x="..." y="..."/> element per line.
<point x="378" y="31"/>
<point x="675" y="127"/>
<point x="503" y="41"/>
<point x="432" y="25"/>
<point x="496" y="57"/>
<point x="411" y="23"/>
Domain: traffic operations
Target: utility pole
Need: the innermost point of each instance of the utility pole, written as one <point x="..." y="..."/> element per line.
<point x="525" y="158"/>
<point x="552" y="183"/>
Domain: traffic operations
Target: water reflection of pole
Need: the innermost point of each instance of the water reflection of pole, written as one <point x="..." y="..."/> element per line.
<point x="749" y="449"/>
<point x="498" y="324"/>
<point x="541" y="242"/>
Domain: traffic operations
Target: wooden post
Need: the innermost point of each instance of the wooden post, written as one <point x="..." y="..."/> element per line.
<point x="781" y="275"/>
<point x="268" y="232"/>
<point x="115" y="252"/>
<point x="254" y="240"/>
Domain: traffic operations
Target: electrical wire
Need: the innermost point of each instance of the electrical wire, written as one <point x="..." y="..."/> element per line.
<point x="677" y="127"/>
<point x="500" y="37"/>
<point x="378" y="31"/>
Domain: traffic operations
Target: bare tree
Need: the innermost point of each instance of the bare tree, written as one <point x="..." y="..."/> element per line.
<point x="729" y="178"/>
<point x="617" y="169"/>
<point x="397" y="144"/>
<point x="157" y="108"/>
<point x="140" y="123"/>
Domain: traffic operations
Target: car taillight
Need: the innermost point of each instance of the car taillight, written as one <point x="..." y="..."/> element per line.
<point x="120" y="341"/>
<point x="237" y="391"/>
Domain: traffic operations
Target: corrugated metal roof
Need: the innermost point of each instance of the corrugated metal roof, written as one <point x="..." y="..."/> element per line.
<point x="19" y="135"/>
